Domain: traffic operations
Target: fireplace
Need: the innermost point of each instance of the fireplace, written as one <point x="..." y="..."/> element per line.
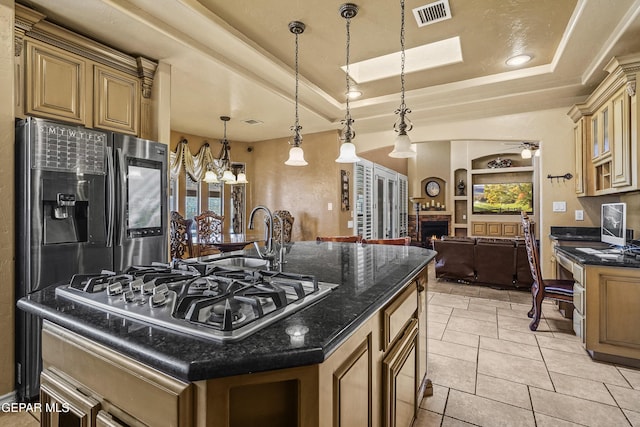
<point x="428" y="229"/>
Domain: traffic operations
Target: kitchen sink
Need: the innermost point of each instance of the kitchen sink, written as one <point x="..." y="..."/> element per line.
<point x="240" y="261"/>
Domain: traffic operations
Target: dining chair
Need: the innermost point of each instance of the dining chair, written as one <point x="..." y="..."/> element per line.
<point x="180" y="230"/>
<point x="282" y="226"/>
<point x="400" y="241"/>
<point x="560" y="290"/>
<point x="345" y="239"/>
<point x="208" y="232"/>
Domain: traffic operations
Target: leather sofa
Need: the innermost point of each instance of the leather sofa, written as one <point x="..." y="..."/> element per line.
<point x="496" y="262"/>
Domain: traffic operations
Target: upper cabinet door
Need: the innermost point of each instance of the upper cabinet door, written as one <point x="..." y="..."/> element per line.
<point x="116" y="100"/>
<point x="55" y="83"/>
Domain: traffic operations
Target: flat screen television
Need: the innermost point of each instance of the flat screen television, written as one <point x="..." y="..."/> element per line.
<point x="613" y="223"/>
<point x="503" y="199"/>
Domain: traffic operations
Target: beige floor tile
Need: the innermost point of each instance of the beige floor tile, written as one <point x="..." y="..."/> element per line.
<point x="463" y="338"/>
<point x="582" y="367"/>
<point x="457" y="351"/>
<point x="511" y="312"/>
<point x="447" y="300"/>
<point x="490" y="302"/>
<point x="465" y="290"/>
<point x="561" y="344"/>
<point x="524" y="337"/>
<point x="427" y="419"/>
<point x="576" y="410"/>
<point x="435" y="330"/>
<point x="560" y="325"/>
<point x="627" y="398"/>
<point x="452" y="373"/>
<point x="472" y="326"/>
<point x="510" y="347"/>
<point x="543" y="420"/>
<point x="439" y="309"/>
<point x="503" y="391"/>
<point x="520" y="297"/>
<point x="495" y="294"/>
<point x="514" y="368"/>
<point x="437" y="401"/>
<point x="477" y="315"/>
<point x="566" y="335"/>
<point x="452" y="422"/>
<point x="437" y="317"/>
<point x="633" y="417"/>
<point x="521" y="324"/>
<point x="17" y="419"/>
<point x="485" y="412"/>
<point x="473" y="306"/>
<point x="632" y="375"/>
<point x="579" y="387"/>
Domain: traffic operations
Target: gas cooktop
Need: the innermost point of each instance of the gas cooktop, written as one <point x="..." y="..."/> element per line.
<point x="201" y="299"/>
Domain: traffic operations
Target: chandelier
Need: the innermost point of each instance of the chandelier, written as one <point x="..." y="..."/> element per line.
<point x="402" y="147"/>
<point x="347" y="149"/>
<point x="226" y="169"/>
<point x="296" y="155"/>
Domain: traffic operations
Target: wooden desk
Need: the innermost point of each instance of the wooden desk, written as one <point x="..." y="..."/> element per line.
<point x="606" y="296"/>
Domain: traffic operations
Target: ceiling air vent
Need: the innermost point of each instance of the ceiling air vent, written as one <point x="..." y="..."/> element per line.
<point x="432" y="13"/>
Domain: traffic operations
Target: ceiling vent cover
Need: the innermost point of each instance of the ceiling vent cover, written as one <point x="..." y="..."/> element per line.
<point x="432" y="13"/>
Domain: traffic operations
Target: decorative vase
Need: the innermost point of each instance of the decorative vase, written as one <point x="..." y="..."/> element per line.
<point x="461" y="186"/>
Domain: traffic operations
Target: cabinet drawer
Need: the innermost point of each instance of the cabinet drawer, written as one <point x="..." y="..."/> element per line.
<point x="578" y="273"/>
<point x="578" y="298"/>
<point x="398" y="314"/>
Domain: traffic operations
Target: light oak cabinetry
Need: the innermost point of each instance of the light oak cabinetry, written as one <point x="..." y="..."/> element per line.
<point x="606" y="315"/>
<point x="606" y="132"/>
<point x="496" y="229"/>
<point x="374" y="378"/>
<point x="64" y="76"/>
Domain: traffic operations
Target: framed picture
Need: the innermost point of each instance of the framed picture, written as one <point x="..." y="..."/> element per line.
<point x="344" y="186"/>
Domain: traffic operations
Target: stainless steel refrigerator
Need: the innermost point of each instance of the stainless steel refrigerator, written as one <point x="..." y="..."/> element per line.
<point x="86" y="200"/>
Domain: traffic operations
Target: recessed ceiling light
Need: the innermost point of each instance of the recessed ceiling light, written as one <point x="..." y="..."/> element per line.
<point x="518" y="60"/>
<point x="354" y="93"/>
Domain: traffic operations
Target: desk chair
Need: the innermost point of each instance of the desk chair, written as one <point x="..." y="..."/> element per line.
<point x="180" y="230"/>
<point x="209" y="231"/>
<point x="555" y="289"/>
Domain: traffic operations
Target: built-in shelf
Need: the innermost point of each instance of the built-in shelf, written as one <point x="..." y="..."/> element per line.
<point x="459" y="197"/>
<point x="502" y="170"/>
<point x="455" y="225"/>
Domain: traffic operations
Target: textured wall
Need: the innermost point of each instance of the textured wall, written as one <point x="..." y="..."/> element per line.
<point x="7" y="217"/>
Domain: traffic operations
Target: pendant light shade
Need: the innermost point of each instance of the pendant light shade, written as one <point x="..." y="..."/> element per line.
<point x="210" y="177"/>
<point x="402" y="147"/>
<point x="296" y="155"/>
<point x="228" y="177"/>
<point x="526" y="153"/>
<point x="347" y="149"/>
<point x="242" y="178"/>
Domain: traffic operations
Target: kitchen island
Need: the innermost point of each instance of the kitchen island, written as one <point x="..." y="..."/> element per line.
<point x="362" y="361"/>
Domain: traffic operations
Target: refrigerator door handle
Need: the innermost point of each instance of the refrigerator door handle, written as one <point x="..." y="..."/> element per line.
<point x="111" y="197"/>
<point x="121" y="182"/>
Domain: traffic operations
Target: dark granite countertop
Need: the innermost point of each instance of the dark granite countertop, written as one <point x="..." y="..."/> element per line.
<point x="615" y="260"/>
<point x="579" y="234"/>
<point x="368" y="277"/>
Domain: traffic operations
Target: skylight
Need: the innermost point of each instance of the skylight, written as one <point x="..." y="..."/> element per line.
<point x="443" y="52"/>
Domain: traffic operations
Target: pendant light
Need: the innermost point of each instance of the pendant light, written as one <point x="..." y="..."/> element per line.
<point x="402" y="147"/>
<point x="228" y="176"/>
<point x="347" y="149"/>
<point x="296" y="155"/>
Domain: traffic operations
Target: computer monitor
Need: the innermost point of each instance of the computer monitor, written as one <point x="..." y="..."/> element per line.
<point x="613" y="223"/>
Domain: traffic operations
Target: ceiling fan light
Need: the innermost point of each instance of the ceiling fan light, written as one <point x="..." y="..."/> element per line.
<point x="526" y="153"/>
<point x="296" y="157"/>
<point x="347" y="153"/>
<point x="354" y="94"/>
<point x="402" y="148"/>
<point x="210" y="177"/>
<point x="537" y="153"/>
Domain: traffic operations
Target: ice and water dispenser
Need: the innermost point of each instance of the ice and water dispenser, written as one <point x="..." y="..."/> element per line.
<point x="65" y="212"/>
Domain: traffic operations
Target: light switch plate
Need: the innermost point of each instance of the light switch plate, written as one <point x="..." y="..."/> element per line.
<point x="579" y="215"/>
<point x="349" y="224"/>
<point x="329" y="206"/>
<point x="559" y="206"/>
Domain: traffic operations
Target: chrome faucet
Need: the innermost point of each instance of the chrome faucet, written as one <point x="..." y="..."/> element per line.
<point x="269" y="253"/>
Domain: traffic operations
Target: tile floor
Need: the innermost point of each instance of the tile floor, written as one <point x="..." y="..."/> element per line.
<point x="488" y="369"/>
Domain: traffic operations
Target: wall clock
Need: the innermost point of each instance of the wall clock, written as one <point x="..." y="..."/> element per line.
<point x="432" y="188"/>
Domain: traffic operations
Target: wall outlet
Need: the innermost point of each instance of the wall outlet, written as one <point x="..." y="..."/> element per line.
<point x="349" y="224"/>
<point x="559" y="206"/>
<point x="329" y="206"/>
<point x="579" y="215"/>
<point x="464" y="216"/>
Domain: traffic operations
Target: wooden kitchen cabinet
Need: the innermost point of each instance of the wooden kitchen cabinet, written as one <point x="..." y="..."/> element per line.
<point x="64" y="76"/>
<point x="606" y="133"/>
<point x="56" y="86"/>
